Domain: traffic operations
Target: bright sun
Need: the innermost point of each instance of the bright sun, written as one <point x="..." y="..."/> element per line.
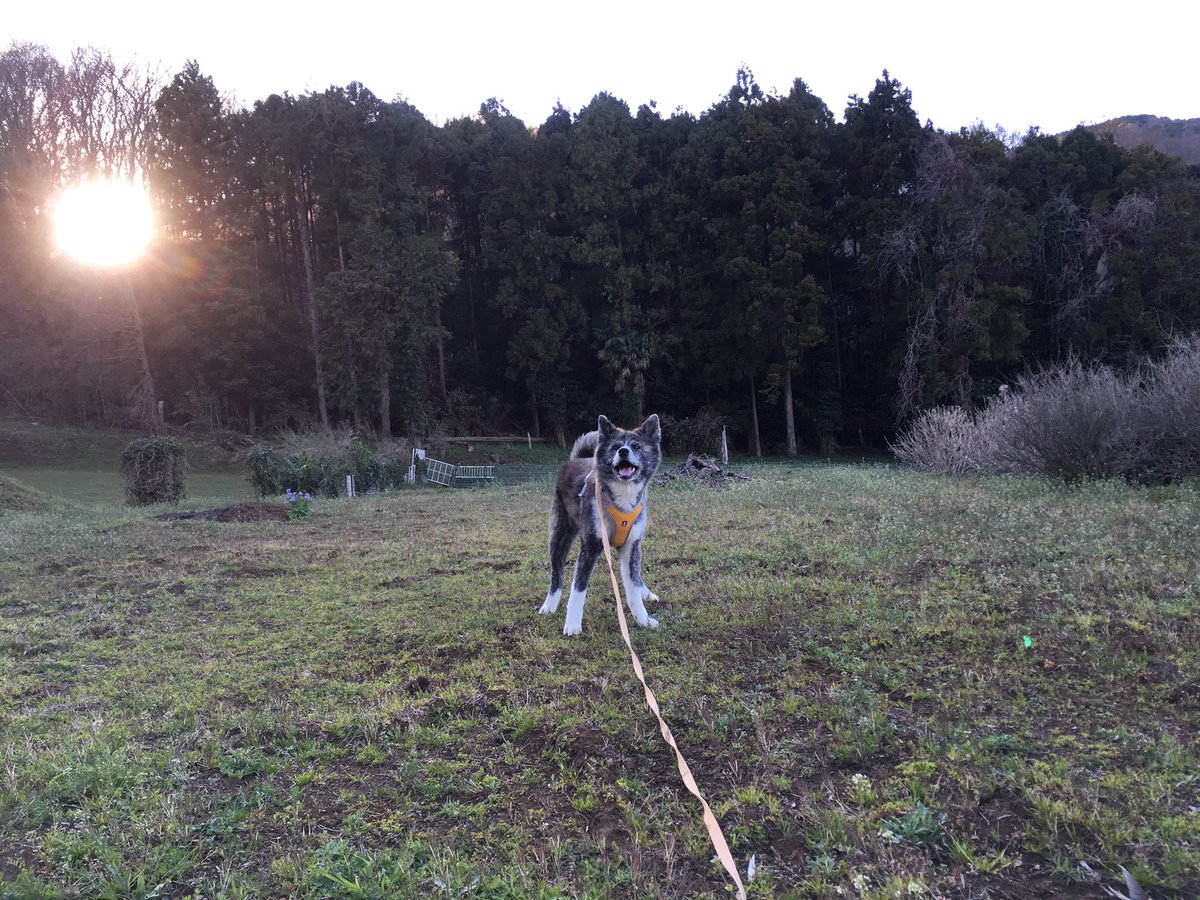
<point x="103" y="223"/>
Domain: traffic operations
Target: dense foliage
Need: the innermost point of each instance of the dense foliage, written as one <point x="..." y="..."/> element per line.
<point x="336" y="257"/>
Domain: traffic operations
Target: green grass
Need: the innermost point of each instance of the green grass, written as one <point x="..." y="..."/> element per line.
<point x="365" y="703"/>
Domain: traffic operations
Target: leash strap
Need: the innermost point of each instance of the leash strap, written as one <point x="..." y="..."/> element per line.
<point x="710" y="821"/>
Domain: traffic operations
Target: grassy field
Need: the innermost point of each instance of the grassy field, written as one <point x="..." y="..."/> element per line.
<point x="888" y="684"/>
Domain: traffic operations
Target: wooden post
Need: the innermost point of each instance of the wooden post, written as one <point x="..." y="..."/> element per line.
<point x="724" y="448"/>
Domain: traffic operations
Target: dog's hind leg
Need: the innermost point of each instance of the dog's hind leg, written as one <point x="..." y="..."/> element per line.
<point x="562" y="535"/>
<point x="636" y="592"/>
<point x="590" y="550"/>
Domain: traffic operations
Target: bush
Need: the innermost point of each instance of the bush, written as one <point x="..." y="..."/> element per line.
<point x="321" y="467"/>
<point x="155" y="471"/>
<point x="943" y="440"/>
<point x="1167" y="418"/>
<point x="1074" y="422"/>
<point x="266" y="471"/>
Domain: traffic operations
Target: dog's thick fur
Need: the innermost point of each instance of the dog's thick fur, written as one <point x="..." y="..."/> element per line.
<point x="625" y="462"/>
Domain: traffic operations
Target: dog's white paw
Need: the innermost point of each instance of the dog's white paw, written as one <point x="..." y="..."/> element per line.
<point x="551" y="604"/>
<point x="650" y="596"/>
<point x="572" y="629"/>
<point x="648" y="622"/>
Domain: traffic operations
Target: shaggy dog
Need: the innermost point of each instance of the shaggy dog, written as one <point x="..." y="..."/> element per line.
<point x="624" y="461"/>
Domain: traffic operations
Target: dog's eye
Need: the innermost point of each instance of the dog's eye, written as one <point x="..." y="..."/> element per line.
<point x="636" y="446"/>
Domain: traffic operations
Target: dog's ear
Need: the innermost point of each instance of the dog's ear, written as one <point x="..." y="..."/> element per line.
<point x="650" y="430"/>
<point x="605" y="427"/>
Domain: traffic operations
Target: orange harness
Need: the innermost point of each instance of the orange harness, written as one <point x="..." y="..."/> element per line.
<point x="622" y="522"/>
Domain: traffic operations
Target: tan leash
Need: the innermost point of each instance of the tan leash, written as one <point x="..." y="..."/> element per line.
<point x="710" y="821"/>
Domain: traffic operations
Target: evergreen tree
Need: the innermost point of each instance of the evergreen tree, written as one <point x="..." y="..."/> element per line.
<point x="875" y="154"/>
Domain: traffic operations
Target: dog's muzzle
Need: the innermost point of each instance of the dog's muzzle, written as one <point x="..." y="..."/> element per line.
<point x="625" y="467"/>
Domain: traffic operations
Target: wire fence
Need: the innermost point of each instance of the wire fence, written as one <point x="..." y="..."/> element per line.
<point x="525" y="473"/>
<point x="443" y="475"/>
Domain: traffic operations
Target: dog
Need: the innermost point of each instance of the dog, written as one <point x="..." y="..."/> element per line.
<point x="625" y="462"/>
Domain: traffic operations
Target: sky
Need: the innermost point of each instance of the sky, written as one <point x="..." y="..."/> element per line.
<point x="1052" y="64"/>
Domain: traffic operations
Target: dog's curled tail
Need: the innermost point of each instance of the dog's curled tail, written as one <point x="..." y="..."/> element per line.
<point x="585" y="445"/>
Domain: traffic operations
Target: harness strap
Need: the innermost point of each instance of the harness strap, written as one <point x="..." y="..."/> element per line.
<point x="622" y="522"/>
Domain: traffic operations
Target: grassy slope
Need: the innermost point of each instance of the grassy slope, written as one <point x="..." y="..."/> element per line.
<point x="18" y="497"/>
<point x="280" y="709"/>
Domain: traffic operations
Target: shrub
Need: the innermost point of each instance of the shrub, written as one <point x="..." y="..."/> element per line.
<point x="999" y="444"/>
<point x="155" y="471"/>
<point x="1167" y="418"/>
<point x="265" y="471"/>
<point x="943" y="440"/>
<point x="320" y="468"/>
<point x="1074" y="421"/>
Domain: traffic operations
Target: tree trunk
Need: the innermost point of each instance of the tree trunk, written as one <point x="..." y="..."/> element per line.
<point x="385" y="407"/>
<point x="537" y="422"/>
<point x="441" y="355"/>
<point x="755" y="441"/>
<point x="471" y="309"/>
<point x="962" y="381"/>
<point x="441" y="358"/>
<point x="310" y="298"/>
<point x="789" y="415"/>
<point x="143" y="398"/>
<point x="337" y="220"/>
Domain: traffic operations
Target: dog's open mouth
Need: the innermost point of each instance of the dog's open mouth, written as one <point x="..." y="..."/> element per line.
<point x="626" y="470"/>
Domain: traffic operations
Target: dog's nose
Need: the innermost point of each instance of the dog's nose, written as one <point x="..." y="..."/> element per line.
<point x="624" y="451"/>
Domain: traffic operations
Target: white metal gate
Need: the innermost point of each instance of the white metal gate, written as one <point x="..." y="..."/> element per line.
<point x="438" y="472"/>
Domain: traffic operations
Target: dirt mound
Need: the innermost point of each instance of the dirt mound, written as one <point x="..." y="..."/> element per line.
<point x="239" y="512"/>
<point x="16" y="497"/>
<point x="703" y="469"/>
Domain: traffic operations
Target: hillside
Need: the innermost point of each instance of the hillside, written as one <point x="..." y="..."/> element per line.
<point x="1177" y="137"/>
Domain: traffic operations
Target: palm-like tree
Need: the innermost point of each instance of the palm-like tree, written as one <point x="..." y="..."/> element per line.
<point x="626" y="358"/>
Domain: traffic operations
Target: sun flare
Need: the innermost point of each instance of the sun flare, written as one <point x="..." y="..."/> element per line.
<point x="103" y="223"/>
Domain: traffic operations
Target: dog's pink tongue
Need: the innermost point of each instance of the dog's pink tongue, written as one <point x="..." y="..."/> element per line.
<point x="626" y="470"/>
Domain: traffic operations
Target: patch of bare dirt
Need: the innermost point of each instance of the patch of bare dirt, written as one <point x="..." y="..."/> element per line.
<point x="239" y="512"/>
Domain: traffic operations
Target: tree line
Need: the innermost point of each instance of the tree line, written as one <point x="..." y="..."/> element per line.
<point x="337" y="257"/>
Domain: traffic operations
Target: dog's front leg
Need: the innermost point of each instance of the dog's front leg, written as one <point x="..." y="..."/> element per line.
<point x="589" y="552"/>
<point x="636" y="591"/>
